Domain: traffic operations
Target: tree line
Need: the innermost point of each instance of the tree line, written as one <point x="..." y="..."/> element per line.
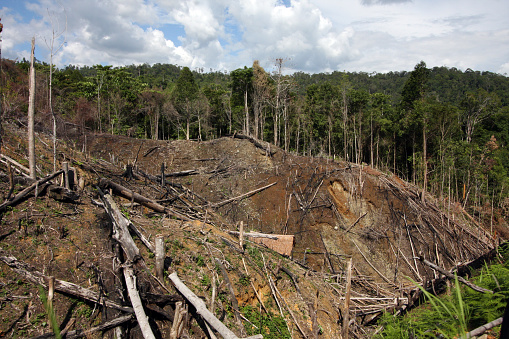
<point x="443" y="129"/>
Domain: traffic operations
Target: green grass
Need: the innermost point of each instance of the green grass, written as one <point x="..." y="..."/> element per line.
<point x="454" y="314"/>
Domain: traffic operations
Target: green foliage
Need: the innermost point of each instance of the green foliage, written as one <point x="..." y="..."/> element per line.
<point x="454" y="315"/>
<point x="270" y="326"/>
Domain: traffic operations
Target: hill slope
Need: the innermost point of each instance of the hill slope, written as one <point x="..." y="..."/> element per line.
<point x="336" y="211"/>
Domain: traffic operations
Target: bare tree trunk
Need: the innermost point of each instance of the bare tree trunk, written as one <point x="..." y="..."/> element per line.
<point x="31" y="112"/>
<point x="246" y="109"/>
<point x="425" y="162"/>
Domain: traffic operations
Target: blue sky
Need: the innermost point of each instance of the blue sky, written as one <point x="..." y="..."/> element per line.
<point x="312" y="35"/>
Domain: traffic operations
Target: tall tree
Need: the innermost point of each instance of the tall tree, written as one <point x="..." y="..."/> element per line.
<point x="282" y="86"/>
<point x="242" y="84"/>
<point x="185" y="94"/>
<point x="477" y="106"/>
<point x="261" y="94"/>
<point x="413" y="92"/>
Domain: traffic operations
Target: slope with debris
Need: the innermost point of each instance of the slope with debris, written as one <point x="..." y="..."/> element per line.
<point x="205" y="191"/>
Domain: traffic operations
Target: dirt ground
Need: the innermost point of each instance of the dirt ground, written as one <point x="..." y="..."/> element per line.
<point x="336" y="211"/>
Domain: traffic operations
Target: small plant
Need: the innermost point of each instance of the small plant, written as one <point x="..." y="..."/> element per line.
<point x="51" y="313"/>
<point x="200" y="261"/>
<point x="205" y="281"/>
<point x="270" y="326"/>
<point x="244" y="280"/>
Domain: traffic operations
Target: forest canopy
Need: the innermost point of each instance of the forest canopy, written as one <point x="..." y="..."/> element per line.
<point x="441" y="128"/>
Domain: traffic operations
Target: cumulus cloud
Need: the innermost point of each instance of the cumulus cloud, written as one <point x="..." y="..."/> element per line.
<point x="314" y="35"/>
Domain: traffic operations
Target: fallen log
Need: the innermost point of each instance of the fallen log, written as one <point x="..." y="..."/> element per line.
<point x="23" y="194"/>
<point x="245" y="195"/>
<point x="480" y="330"/>
<point x="120" y="228"/>
<point x="129" y="194"/>
<point x="121" y="234"/>
<point x="134" y="296"/>
<point x="103" y="327"/>
<point x="20" y="168"/>
<point x="202" y="310"/>
<point x="255" y="235"/>
<point x="181" y="173"/>
<point x="61" y="286"/>
<point x="255" y="142"/>
<point x="452" y="276"/>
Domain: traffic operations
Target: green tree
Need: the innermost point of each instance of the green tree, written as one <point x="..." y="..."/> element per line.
<point x="185" y="95"/>
<point x="242" y="86"/>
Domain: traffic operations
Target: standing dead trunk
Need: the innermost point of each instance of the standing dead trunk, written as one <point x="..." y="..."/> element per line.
<point x="31" y="112"/>
<point x="160" y="255"/>
<point x="346" y="308"/>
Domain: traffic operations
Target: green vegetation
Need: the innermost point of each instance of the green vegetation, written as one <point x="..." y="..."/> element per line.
<point x="454" y="314"/>
<point x="50" y="312"/>
<point x="273" y="326"/>
<point x="443" y="129"/>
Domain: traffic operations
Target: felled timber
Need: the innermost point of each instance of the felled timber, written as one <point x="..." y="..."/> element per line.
<point x="24" y="193"/>
<point x="256" y="143"/>
<point x="61" y="286"/>
<point x="141" y="316"/>
<point x="129" y="194"/>
<point x="103" y="327"/>
<point x="202" y="310"/>
<point x="121" y="234"/>
<point x="242" y="196"/>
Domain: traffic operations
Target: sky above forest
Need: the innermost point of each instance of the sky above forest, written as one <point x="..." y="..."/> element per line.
<point x="221" y="35"/>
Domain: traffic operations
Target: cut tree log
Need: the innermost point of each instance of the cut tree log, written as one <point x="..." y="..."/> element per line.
<point x="233" y="298"/>
<point x="255" y="235"/>
<point x="129" y="194"/>
<point x="134" y="296"/>
<point x="61" y="286"/>
<point x="202" y="310"/>
<point x="121" y="234"/>
<point x="480" y="330"/>
<point x="120" y="228"/>
<point x="24" y="193"/>
<point x="255" y="142"/>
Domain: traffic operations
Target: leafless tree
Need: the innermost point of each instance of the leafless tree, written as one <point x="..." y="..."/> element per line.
<point x="56" y="36"/>
<point x="31" y="111"/>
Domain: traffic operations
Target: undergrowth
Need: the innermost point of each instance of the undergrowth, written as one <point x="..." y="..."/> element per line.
<point x="270" y="326"/>
<point x="455" y="313"/>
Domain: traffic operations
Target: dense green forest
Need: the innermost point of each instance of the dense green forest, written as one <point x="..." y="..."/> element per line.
<point x="443" y="129"/>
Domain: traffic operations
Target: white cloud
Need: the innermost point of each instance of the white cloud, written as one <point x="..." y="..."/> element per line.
<point x="316" y="35"/>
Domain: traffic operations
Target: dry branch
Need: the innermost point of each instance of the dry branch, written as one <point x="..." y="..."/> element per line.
<point x="245" y="195"/>
<point x="452" y="276"/>
<point x="103" y="327"/>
